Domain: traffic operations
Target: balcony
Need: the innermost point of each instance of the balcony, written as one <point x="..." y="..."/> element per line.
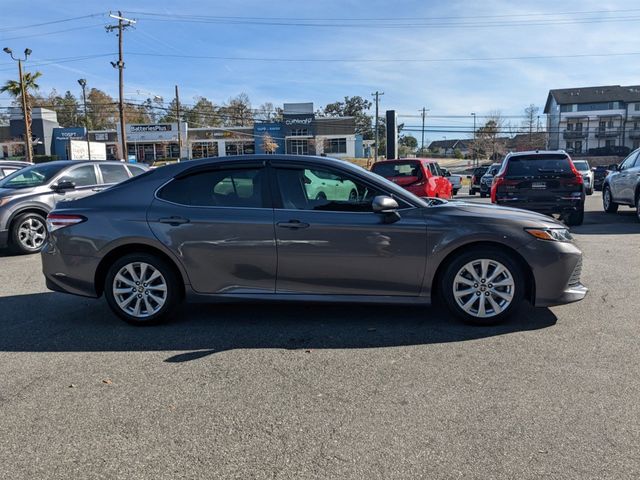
<point x="607" y="132"/>
<point x="574" y="134"/>
<point x="634" y="134"/>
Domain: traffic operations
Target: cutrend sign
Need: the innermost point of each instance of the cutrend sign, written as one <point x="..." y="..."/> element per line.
<point x="299" y="121"/>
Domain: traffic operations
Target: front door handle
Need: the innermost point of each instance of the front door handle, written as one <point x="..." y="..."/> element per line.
<point x="293" y="224"/>
<point x="174" y="221"/>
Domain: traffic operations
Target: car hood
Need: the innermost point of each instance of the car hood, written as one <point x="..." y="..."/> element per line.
<point x="497" y="213"/>
<point x="6" y="192"/>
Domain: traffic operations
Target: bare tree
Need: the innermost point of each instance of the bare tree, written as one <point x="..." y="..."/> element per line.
<point x="269" y="145"/>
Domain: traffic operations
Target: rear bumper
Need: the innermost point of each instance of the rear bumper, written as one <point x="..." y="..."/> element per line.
<point x="559" y="206"/>
<point x="56" y="268"/>
<point x="4" y="238"/>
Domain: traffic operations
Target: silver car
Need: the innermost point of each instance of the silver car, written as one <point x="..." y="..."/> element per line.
<point x="246" y="228"/>
<point x="587" y="175"/>
<point x="30" y="193"/>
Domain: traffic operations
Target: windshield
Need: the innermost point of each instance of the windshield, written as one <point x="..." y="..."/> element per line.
<point x="582" y="165"/>
<point x="33" y="176"/>
<point x="397" y="169"/>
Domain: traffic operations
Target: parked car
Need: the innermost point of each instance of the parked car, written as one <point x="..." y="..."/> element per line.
<point x="599" y="174"/>
<point x="421" y="176"/>
<point x="543" y="181"/>
<point x="7" y="167"/>
<point x="622" y="185"/>
<point x="487" y="180"/>
<point x="29" y="194"/>
<point x="174" y="233"/>
<point x="454" y="180"/>
<point x="325" y="186"/>
<point x="587" y="175"/>
<point x="478" y="172"/>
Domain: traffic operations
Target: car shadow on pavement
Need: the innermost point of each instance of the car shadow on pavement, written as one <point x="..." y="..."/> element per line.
<point x="600" y="223"/>
<point x="52" y="322"/>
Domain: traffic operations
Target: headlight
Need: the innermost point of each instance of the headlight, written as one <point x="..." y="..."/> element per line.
<point x="5" y="200"/>
<point x="551" y="234"/>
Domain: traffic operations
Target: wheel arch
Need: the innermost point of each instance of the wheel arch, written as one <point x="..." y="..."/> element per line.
<point x="26" y="209"/>
<point x="120" y="251"/>
<point x="530" y="283"/>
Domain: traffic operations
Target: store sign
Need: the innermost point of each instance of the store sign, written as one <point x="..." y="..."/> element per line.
<point x="61" y="139"/>
<point x="162" y="132"/>
<point x="299" y="121"/>
<point x="101" y="137"/>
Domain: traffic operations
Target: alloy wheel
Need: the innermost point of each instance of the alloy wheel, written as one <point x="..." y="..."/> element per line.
<point x="32" y="233"/>
<point x="483" y="288"/>
<point x="139" y="289"/>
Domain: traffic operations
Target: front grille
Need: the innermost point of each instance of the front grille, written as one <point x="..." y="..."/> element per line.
<point x="574" y="280"/>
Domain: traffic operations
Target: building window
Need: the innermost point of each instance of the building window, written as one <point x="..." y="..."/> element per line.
<point x="636" y="144"/>
<point x="299" y="132"/>
<point x="587" y="107"/>
<point x="636" y="107"/>
<point x="609" y="143"/>
<point x="204" y="149"/>
<point x="298" y="147"/>
<point x="577" y="147"/>
<point x="569" y="146"/>
<point x="566" y="108"/>
<point x="569" y="127"/>
<point x="239" y="148"/>
<point x="335" y="145"/>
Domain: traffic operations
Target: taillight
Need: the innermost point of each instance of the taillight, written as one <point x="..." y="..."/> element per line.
<point x="578" y="180"/>
<point x="56" y="221"/>
<point x="497" y="181"/>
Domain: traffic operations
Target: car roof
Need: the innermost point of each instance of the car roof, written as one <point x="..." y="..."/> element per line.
<point x="536" y="152"/>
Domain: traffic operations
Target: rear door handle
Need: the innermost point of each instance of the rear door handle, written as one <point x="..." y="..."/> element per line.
<point x="293" y="224"/>
<point x="174" y="221"/>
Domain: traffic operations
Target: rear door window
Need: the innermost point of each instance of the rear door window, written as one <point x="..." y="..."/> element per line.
<point x="532" y="166"/>
<point x="113" y="173"/>
<point x="218" y="188"/>
<point x="135" y="170"/>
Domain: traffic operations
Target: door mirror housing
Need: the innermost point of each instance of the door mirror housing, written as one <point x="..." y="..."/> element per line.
<point x="613" y="167"/>
<point x="63" y="186"/>
<point x="386" y="206"/>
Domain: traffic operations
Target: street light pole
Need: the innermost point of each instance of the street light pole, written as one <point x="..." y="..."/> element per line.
<point x="27" y="122"/>
<point x="83" y="84"/>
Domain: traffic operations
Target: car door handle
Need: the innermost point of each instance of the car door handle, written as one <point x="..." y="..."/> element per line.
<point x="174" y="221"/>
<point x="293" y="224"/>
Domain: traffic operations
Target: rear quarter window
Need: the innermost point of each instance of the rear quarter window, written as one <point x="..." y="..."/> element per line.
<point x="404" y="169"/>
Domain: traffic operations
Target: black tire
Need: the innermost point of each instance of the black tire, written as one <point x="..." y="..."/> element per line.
<point x="483" y="195"/>
<point x="455" y="192"/>
<point x="472" y="192"/>
<point x="22" y="245"/>
<point x="590" y="191"/>
<point x="575" y="219"/>
<point x="447" y="280"/>
<point x="638" y="206"/>
<point x="174" y="289"/>
<point x="607" y="200"/>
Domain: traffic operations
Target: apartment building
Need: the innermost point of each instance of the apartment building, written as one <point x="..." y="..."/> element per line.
<point x="599" y="120"/>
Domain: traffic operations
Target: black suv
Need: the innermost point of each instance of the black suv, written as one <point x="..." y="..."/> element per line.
<point x="478" y="172"/>
<point x="543" y="181"/>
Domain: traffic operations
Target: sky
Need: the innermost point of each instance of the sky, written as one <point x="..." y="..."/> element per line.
<point x="452" y="57"/>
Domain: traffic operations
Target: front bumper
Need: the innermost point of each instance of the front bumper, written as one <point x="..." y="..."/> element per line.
<point x="556" y="268"/>
<point x="4" y="238"/>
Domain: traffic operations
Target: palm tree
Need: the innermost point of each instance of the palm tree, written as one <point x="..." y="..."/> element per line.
<point x="12" y="87"/>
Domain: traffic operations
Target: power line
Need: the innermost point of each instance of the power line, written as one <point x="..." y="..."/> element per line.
<point x="42" y="34"/>
<point x="53" y="61"/>
<point x="21" y="27"/>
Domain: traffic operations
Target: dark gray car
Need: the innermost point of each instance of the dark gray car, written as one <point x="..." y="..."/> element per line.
<point x="240" y="228"/>
<point x="30" y="193"/>
<point x="7" y="167"/>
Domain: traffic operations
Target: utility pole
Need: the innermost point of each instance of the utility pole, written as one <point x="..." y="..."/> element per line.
<point x="83" y="84"/>
<point x="377" y="95"/>
<point x="25" y="111"/>
<point x="178" y="119"/>
<point x="424" y="114"/>
<point x="475" y="156"/>
<point x="123" y="23"/>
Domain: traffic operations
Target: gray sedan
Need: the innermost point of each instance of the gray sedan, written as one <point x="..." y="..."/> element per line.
<point x="248" y="228"/>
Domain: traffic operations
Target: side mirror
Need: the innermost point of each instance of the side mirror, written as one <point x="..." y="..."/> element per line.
<point x="614" y="166"/>
<point x="64" y="186"/>
<point x="386" y="206"/>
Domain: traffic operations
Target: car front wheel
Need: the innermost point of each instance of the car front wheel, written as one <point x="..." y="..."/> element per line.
<point x="142" y="289"/>
<point x="607" y="201"/>
<point x="483" y="286"/>
<point x="638" y="206"/>
<point x="28" y="233"/>
<point x="575" y="218"/>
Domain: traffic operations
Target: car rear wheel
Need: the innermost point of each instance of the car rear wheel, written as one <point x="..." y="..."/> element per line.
<point x="607" y="201"/>
<point x="638" y="206"/>
<point x="483" y="195"/>
<point x="483" y="286"/>
<point x="28" y="233"/>
<point x="472" y="192"/>
<point x="142" y="289"/>
<point x="574" y="219"/>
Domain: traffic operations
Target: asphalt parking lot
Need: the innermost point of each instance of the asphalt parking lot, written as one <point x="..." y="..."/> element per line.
<point x="295" y="391"/>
